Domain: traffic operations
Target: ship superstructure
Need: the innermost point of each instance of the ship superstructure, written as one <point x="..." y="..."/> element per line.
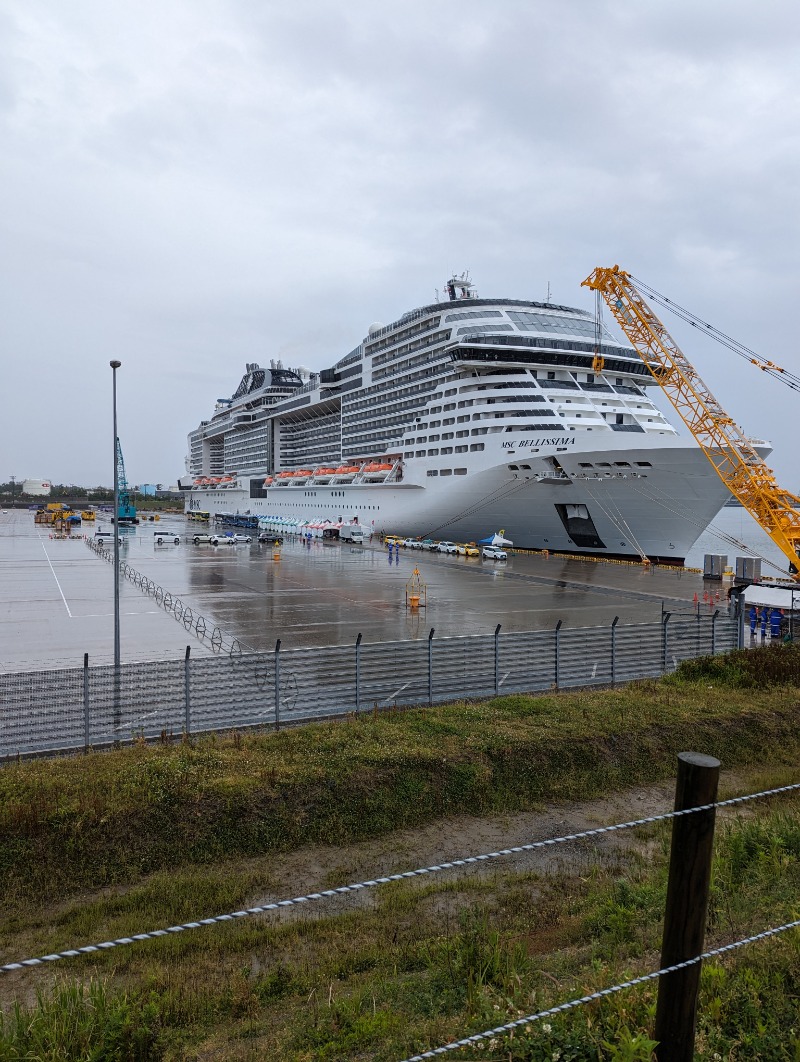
<point x="460" y="417"/>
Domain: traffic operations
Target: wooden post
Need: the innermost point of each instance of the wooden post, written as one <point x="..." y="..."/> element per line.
<point x="687" y="901"/>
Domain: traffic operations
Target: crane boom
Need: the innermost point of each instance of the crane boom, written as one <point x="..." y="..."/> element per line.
<point x="734" y="457"/>
<point x="126" y="511"/>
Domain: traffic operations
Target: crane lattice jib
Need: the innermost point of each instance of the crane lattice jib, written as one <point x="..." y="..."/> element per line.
<point x="735" y="459"/>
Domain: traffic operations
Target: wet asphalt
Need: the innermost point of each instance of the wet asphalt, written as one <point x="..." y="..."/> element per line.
<point x="56" y="596"/>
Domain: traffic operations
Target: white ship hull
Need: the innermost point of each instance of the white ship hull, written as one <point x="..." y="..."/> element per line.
<point x="459" y="419"/>
<point x="653" y="500"/>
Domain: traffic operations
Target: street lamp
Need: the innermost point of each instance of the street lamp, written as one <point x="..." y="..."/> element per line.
<point x="114" y="366"/>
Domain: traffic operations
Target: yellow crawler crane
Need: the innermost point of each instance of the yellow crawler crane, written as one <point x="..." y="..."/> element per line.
<point x="735" y="459"/>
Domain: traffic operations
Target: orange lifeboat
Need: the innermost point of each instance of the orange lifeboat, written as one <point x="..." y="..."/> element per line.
<point x="304" y="472"/>
<point x="285" y="475"/>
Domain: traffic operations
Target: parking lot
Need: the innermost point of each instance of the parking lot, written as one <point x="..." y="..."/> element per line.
<point x="57" y="596"/>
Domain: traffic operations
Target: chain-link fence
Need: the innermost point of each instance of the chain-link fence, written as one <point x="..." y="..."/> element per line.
<point x="74" y="708"/>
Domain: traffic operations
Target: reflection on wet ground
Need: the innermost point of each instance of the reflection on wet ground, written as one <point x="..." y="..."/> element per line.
<point x="57" y="597"/>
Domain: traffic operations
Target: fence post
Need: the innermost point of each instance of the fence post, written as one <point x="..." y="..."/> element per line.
<point x="187" y="722"/>
<point x="278" y="684"/>
<point x="430" y="666"/>
<point x="358" y="672"/>
<point x="687" y="901"/>
<point x="557" y="645"/>
<point x="614" y="623"/>
<point x="497" y="659"/>
<point x="664" y="641"/>
<point x="714" y="632"/>
<point x="85" y="702"/>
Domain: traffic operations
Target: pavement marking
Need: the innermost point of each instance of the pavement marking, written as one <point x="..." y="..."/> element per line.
<point x="58" y="584"/>
<point x="393" y="695"/>
<point x="109" y="615"/>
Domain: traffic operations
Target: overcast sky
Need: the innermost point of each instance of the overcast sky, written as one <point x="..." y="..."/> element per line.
<point x="191" y="185"/>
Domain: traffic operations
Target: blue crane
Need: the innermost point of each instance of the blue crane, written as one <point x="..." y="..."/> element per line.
<point x="126" y="512"/>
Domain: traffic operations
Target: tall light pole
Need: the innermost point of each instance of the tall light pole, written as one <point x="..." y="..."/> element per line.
<point x="114" y="366"/>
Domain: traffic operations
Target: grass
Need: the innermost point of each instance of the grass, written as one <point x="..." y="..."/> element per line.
<point x="108" y="845"/>
<point x="106" y="819"/>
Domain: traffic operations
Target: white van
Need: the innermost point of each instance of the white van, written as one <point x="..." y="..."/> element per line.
<point x="162" y="536"/>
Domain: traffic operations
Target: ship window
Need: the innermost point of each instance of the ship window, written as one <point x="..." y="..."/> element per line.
<point x="447" y="435"/>
<point x="408" y="453"/>
<point x="433" y="438"/>
<point x="585" y="464"/>
<point x="643" y="464"/>
<point x="449" y="420"/>
<point x="433" y="471"/>
<point x="434" y="452"/>
<point x="435" y="423"/>
<point x="460" y="471"/>
<point x="445" y="471"/>
<point x="461" y="449"/>
<point x="513" y="468"/>
<point x="436" y="409"/>
<point x="462" y="434"/>
<point x="618" y="418"/>
<point x="420" y="453"/>
<point x="526" y="466"/>
<point x="447" y="449"/>
<point x="622" y="464"/>
<point x="551" y="376"/>
<point x="452" y="391"/>
<point x="422" y="438"/>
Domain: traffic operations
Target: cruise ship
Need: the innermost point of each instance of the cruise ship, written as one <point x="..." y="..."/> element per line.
<point x="462" y="417"/>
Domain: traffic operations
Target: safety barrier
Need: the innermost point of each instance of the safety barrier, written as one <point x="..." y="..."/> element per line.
<point x="72" y="708"/>
<point x="217" y="639"/>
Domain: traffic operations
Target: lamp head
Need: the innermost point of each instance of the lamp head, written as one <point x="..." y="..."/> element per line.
<point x="115" y="364"/>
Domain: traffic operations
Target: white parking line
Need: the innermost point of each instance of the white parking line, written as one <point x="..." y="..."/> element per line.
<point x="58" y="584"/>
<point x="393" y="695"/>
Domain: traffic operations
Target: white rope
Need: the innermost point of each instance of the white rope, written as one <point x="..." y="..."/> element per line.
<point x="601" y="994"/>
<point x="374" y="882"/>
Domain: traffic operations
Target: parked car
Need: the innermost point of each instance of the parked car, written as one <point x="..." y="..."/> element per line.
<point x="447" y="547"/>
<point x="103" y="538"/>
<point x="468" y="549"/>
<point x="494" y="553"/>
<point x="203" y="536"/>
<point x="393" y="540"/>
<point x="269" y="537"/>
<point x="164" y="535"/>
<point x="229" y="539"/>
<point x="428" y="543"/>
